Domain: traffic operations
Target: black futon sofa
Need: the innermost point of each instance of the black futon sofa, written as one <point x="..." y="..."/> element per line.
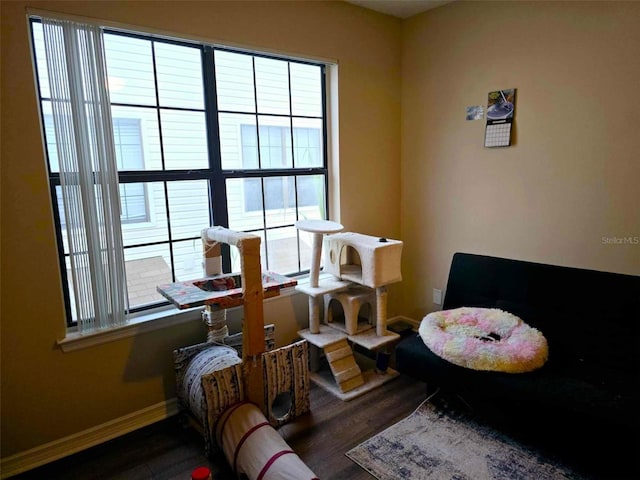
<point x="586" y="395"/>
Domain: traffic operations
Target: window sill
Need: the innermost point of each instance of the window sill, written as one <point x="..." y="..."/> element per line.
<point x="160" y="318"/>
<point x="149" y="321"/>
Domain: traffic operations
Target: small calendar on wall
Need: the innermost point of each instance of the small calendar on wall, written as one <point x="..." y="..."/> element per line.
<point x="500" y="111"/>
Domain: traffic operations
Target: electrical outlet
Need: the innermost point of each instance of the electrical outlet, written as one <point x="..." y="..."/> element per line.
<point x="437" y="296"/>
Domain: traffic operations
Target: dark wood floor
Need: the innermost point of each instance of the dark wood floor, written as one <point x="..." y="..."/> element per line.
<point x="167" y="450"/>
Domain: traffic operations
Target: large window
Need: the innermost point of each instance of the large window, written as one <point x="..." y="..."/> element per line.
<point x="203" y="136"/>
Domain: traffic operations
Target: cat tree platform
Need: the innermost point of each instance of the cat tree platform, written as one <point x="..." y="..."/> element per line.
<point x="349" y="375"/>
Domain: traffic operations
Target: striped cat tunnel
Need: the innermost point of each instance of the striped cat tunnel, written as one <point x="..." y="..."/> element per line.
<point x="255" y="449"/>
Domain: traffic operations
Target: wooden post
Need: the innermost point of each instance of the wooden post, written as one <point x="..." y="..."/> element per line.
<point x="253" y="323"/>
<point x="252" y="295"/>
<point x="253" y="327"/>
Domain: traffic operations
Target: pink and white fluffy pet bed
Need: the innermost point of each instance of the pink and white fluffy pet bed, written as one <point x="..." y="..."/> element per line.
<point x="484" y="339"/>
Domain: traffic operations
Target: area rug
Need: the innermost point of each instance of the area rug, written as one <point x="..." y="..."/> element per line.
<point x="434" y="445"/>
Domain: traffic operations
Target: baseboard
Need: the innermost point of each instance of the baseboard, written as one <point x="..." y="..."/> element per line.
<point x="49" y="452"/>
<point x="400" y="318"/>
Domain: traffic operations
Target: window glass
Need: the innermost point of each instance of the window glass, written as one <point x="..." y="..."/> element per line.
<point x="146" y="268"/>
<point x="134" y="207"/>
<point x="272" y="86"/>
<point x="149" y="131"/>
<point x="306" y="90"/>
<point x="179" y="71"/>
<point x="130" y="70"/>
<point x="234" y="82"/>
<point x="156" y="226"/>
<point x="128" y="142"/>
<point x="238" y="141"/>
<point x="188" y="207"/>
<point x="282" y="250"/>
<point x="187" y="256"/>
<point x="184" y="138"/>
<point x="307" y="143"/>
<point x="310" y="197"/>
<point x="41" y="60"/>
<point x="241" y="191"/>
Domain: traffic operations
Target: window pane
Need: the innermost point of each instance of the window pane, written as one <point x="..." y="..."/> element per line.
<point x="130" y="70"/>
<point x="187" y="257"/>
<point x="239" y="191"/>
<point x="50" y="136"/>
<point x="188" y="208"/>
<point x="234" y="78"/>
<point x="274" y="138"/>
<point x="134" y="207"/>
<point x="179" y="71"/>
<point x="146" y="268"/>
<point x="311" y="197"/>
<point x="252" y="195"/>
<point x="41" y="60"/>
<point x="155" y="227"/>
<point x="306" y="90"/>
<point x="238" y="141"/>
<point x="184" y="137"/>
<point x="282" y="250"/>
<point x="307" y="143"/>
<point x="280" y="198"/>
<point x="137" y="138"/>
<point x="272" y="86"/>
<point x="128" y="143"/>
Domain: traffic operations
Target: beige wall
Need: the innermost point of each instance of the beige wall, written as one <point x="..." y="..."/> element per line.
<point x="47" y="394"/>
<point x="569" y="180"/>
<point x="572" y="176"/>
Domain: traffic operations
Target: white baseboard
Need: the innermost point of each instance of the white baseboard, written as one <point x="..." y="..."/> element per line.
<point x="35" y="457"/>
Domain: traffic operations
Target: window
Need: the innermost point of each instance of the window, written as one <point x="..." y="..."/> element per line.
<point x="203" y="136"/>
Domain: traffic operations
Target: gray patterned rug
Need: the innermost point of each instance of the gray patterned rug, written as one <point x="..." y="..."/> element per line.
<point x="432" y="445"/>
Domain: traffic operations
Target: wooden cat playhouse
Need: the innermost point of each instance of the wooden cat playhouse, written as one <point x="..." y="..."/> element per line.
<point x="237" y="400"/>
<point x="360" y="267"/>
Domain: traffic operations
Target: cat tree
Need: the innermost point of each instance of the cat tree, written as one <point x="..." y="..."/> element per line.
<point x="238" y="400"/>
<point x="361" y="267"/>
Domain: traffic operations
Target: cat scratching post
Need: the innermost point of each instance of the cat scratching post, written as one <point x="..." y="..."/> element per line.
<point x="253" y="324"/>
<point x="318" y="228"/>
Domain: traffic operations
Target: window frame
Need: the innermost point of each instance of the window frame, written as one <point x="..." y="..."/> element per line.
<point x="215" y="176"/>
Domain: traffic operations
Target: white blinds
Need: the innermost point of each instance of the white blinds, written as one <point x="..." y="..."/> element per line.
<point x="88" y="171"/>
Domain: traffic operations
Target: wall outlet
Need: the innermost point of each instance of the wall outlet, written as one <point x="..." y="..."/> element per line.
<point x="437" y="296"/>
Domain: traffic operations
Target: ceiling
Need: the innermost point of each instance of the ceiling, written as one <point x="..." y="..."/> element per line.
<point x="400" y="8"/>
